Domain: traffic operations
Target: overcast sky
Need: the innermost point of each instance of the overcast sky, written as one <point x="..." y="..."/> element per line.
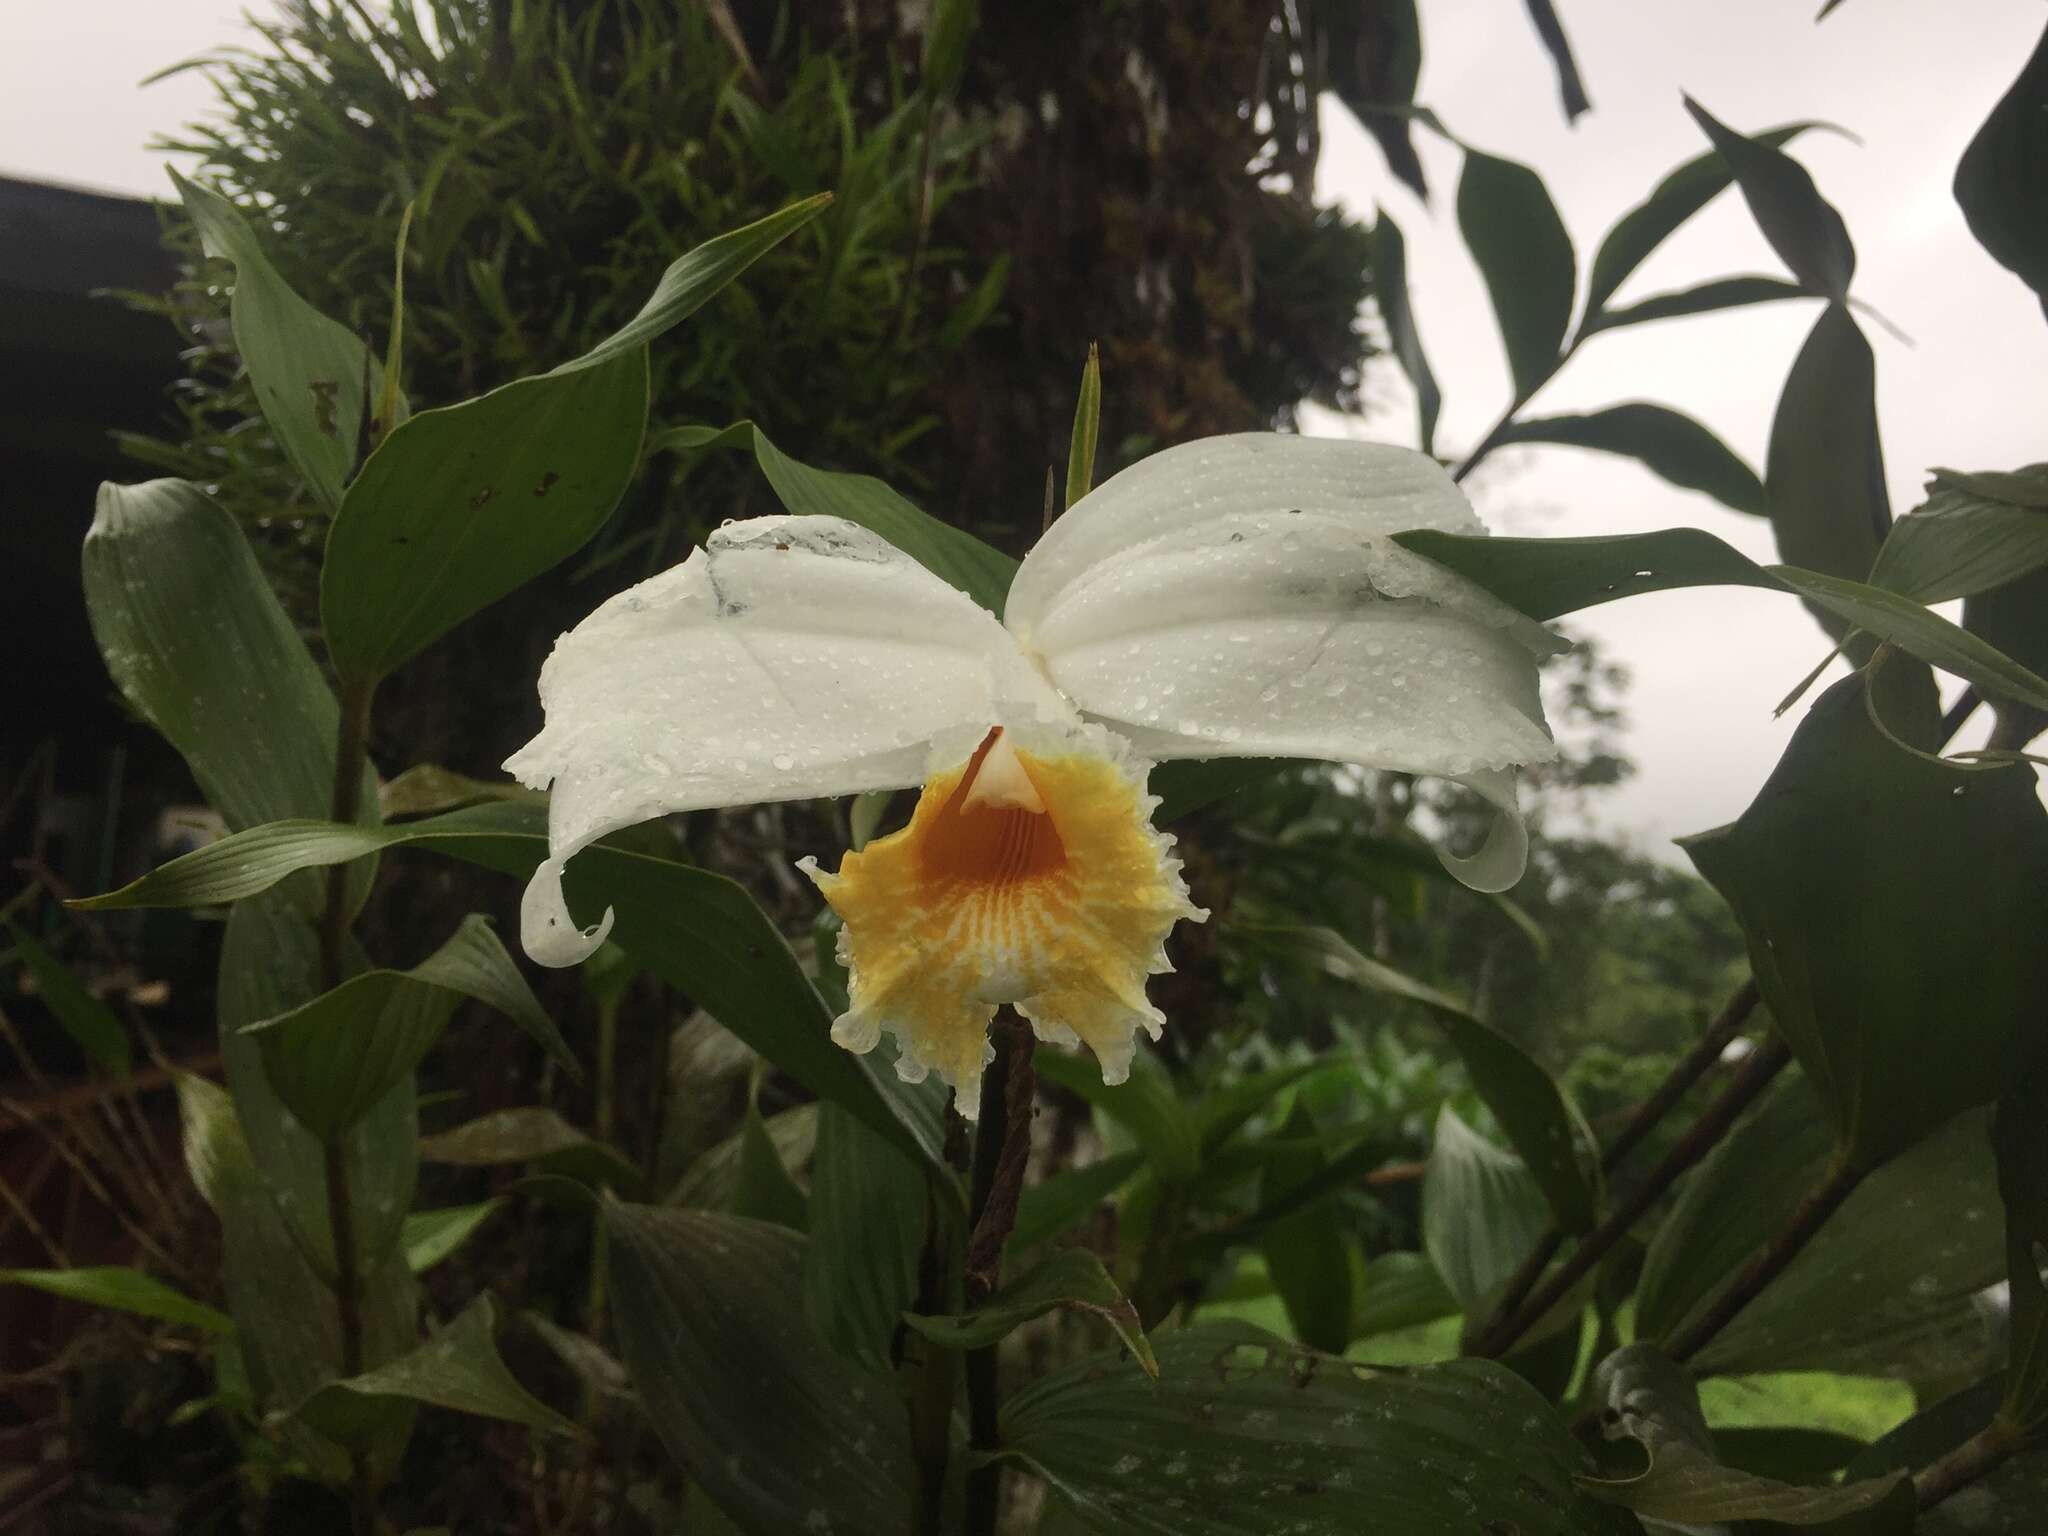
<point x="1911" y="78"/>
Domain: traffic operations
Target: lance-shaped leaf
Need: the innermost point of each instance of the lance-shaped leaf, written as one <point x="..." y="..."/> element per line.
<point x="1481" y="1212"/>
<point x="1087" y="430"/>
<point x="463" y="504"/>
<point x="2021" y="1137"/>
<point x="428" y="1237"/>
<point x="1390" y="284"/>
<point x="1549" y="577"/>
<point x="1967" y="538"/>
<point x="2011" y="1500"/>
<point x="1245" y="1435"/>
<point x="1542" y="1122"/>
<point x="1049" y="1208"/>
<point x="867" y="1224"/>
<point x="1144" y="1104"/>
<point x="1878" y="891"/>
<point x="1524" y="254"/>
<point x="1374" y="57"/>
<point x="710" y="1320"/>
<point x="2002" y="180"/>
<point x="1072" y="1279"/>
<point x="536" y="1135"/>
<point x="1571" y="91"/>
<point x="1666" y="442"/>
<point x="89" y="1022"/>
<point x="199" y="647"/>
<point x="1805" y="231"/>
<point x="1402" y="1290"/>
<point x="123" y="1290"/>
<point x="1653" y="1402"/>
<point x="1308" y="1254"/>
<point x="458" y="1368"/>
<point x="333" y="1058"/>
<point x="1700" y="299"/>
<point x="309" y="372"/>
<point x="1671" y="202"/>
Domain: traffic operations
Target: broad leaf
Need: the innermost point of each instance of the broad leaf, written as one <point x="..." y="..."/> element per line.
<point x="199" y="647"/>
<point x="1878" y="890"/>
<point x="1671" y="202"/>
<point x="90" y="1023"/>
<point x="1189" y="784"/>
<point x="1060" y="1202"/>
<point x="309" y="372"/>
<point x="332" y="1059"/>
<point x="1072" y="1279"/>
<point x="1803" y="228"/>
<point x="1401" y="1290"/>
<point x="1962" y="541"/>
<point x="762" y="1187"/>
<point x="461" y="505"/>
<point x="1667" y="443"/>
<point x="532" y="1135"/>
<point x="1390" y="284"/>
<point x="867" y="1225"/>
<point x="2002" y="180"/>
<point x="1522" y="250"/>
<point x="1307" y="1252"/>
<point x="1481" y="1213"/>
<point x="458" y="1368"/>
<point x="2011" y="1501"/>
<point x="428" y="1237"/>
<point x="710" y="1320"/>
<point x="717" y="1178"/>
<point x="1702" y="299"/>
<point x="123" y="1290"/>
<point x="1144" y="1104"/>
<point x="1245" y="1435"/>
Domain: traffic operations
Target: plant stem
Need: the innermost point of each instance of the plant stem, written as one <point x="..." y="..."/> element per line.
<point x="1764" y="1063"/>
<point x="1812" y="1213"/>
<point x="1975" y="1458"/>
<point x="1648" y="1115"/>
<point x="1002" y="1144"/>
<point x="930" y="1373"/>
<point x="351" y="753"/>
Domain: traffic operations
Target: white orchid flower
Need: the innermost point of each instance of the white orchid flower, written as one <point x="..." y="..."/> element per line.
<point x="1234" y="597"/>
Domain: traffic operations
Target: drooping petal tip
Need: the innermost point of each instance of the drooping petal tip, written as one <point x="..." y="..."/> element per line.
<point x="546" y="930"/>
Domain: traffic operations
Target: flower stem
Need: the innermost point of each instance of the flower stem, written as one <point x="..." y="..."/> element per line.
<point x="1975" y="1458"/>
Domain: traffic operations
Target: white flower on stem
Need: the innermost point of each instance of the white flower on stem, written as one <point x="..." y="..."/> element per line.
<point x="1234" y="597"/>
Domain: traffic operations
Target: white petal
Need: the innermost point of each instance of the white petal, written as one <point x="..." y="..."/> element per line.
<point x="1505" y="854"/>
<point x="1240" y="597"/>
<point x="794" y="657"/>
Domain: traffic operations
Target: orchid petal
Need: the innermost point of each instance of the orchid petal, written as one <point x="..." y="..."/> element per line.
<point x="793" y="657"/>
<point x="1240" y="597"/>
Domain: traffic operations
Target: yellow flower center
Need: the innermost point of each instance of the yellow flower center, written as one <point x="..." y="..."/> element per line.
<point x="1027" y="879"/>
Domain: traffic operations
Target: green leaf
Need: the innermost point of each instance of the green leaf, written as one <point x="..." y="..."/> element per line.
<point x="1060" y="1202"/>
<point x="713" y="1179"/>
<point x="2020" y="1135"/>
<point x="1653" y="1402"/>
<point x="1390" y="284"/>
<point x="1803" y="228"/>
<point x="1542" y="1122"/>
<point x="1824" y="470"/>
<point x="1569" y="88"/>
<point x="1087" y="429"/>
<point x="536" y="1135"/>
<point x="700" y="932"/>
<point x="1668" y="444"/>
<point x="2002" y="180"/>
<point x="333" y="1058"/>
<point x="123" y="1290"/>
<point x="309" y="372"/>
<point x="1307" y="1253"/>
<point x="1525" y="255"/>
<point x="772" y="1422"/>
<point x="1073" y="1279"/>
<point x="458" y="1368"/>
<point x="285" y="1320"/>
<point x="1674" y="200"/>
<point x="199" y="647"/>
<point x="867" y="1226"/>
<point x="1961" y="542"/>
<point x="1701" y="299"/>
<point x="1374" y="58"/>
<point x="1144" y="1104"/>
<point x="1401" y="1290"/>
<point x="428" y="1237"/>
<point x="88" y="1021"/>
<point x="461" y="505"/>
<point x="1245" y="1435"/>
<point x="1481" y="1212"/>
<point x="762" y="1189"/>
<point x="2011" y="1501"/>
<point x="950" y="25"/>
<point x="426" y="789"/>
<point x="1788" y="1453"/>
<point x="1188" y="784"/>
<point x="1877" y="890"/>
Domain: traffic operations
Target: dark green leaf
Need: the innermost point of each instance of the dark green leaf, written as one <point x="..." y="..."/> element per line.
<point x="536" y="1135"/>
<point x="199" y="647"/>
<point x="1087" y="429"/>
<point x="1878" y="890"/>
<point x="1788" y="1453"/>
<point x="1481" y="1212"/>
<point x="2011" y="1501"/>
<point x="762" y="1189"/>
<point x="1401" y="1290"/>
<point x="124" y="1290"/>
<point x="1703" y="298"/>
<point x="1073" y="1279"/>
<point x="1374" y="58"/>
<point x="1960" y="542"/>
<point x="1245" y="1435"/>
<point x="1525" y="255"/>
<point x="951" y="23"/>
<point x="1390" y="284"/>
<point x="1824" y="470"/>
<point x="1050" y="1208"/>
<point x="1803" y="228"/>
<point x="2002" y="179"/>
<point x="428" y="1237"/>
<point x="1144" y="1104"/>
<point x="1307" y="1253"/>
<point x="2020" y="1135"/>
<point x="1571" y="91"/>
<point x="713" y="1180"/>
<point x="458" y="1368"/>
<point x="1189" y="784"/>
<point x="2013" y="619"/>
<point x="332" y="1059"/>
<point x="309" y="372"/>
<point x="1668" y="444"/>
<point x="88" y="1021"/>
<point x="775" y="1425"/>
<point x="867" y="1225"/>
<point x="1675" y="199"/>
